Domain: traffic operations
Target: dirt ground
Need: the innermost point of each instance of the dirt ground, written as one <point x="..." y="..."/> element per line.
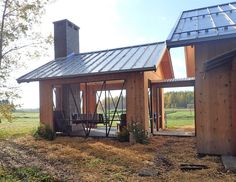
<point x="79" y="159"/>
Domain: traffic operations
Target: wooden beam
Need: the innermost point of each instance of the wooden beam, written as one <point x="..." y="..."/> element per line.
<point x="89" y="79"/>
<point x="190" y="60"/>
<point x="109" y="86"/>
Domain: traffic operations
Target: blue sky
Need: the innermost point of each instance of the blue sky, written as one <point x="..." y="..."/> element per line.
<point x="114" y="23"/>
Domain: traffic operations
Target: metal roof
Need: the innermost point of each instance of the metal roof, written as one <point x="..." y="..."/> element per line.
<point x="203" y="24"/>
<point x="126" y="59"/>
<point x="174" y="82"/>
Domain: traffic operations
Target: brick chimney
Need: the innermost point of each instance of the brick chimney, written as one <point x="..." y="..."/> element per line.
<point x="66" y="38"/>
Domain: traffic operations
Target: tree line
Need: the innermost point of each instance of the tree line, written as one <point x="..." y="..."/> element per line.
<point x="180" y="99"/>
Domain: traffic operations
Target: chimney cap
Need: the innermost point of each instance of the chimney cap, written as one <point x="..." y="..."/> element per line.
<point x="67" y="21"/>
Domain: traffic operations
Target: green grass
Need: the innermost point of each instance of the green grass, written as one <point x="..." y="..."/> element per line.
<point x="177" y="118"/>
<point x="24" y="174"/>
<point x="23" y="123"/>
<point x="27" y="122"/>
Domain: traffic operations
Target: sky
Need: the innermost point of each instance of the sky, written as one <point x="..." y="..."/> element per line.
<point x="106" y="24"/>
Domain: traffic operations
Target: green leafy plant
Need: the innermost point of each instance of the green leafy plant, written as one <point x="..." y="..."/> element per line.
<point x="140" y="135"/>
<point x="44" y="131"/>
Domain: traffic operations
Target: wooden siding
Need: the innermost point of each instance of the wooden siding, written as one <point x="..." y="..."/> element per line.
<point x="233" y="94"/>
<point x="213" y="101"/>
<point x="190" y="60"/>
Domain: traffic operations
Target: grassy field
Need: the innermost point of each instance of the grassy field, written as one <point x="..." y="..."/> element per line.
<point x="27" y="122"/>
<point x="23" y="123"/>
<point x="179" y="118"/>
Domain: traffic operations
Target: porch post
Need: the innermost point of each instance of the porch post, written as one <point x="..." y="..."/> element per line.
<point x="46" y="103"/>
<point x="137" y="99"/>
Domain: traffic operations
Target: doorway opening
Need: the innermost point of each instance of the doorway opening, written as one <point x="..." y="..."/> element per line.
<point x="173" y="113"/>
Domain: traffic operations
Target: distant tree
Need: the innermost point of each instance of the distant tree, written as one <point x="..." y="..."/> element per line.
<point x="178" y="99"/>
<point x="6" y="109"/>
<point x="18" y="40"/>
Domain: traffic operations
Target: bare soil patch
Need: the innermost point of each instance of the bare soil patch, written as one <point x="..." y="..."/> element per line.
<point x="80" y="159"/>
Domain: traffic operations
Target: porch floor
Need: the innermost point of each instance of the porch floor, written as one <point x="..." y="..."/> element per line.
<point x="96" y="132"/>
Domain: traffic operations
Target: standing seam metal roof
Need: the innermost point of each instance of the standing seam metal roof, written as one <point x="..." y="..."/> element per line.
<point x="126" y="59"/>
<point x="203" y="24"/>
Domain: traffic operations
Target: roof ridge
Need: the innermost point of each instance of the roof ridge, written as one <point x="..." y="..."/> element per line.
<point x="212" y="6"/>
<point x="125" y="47"/>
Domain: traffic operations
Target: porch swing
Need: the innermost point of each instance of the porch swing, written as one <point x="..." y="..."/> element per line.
<point x="88" y="120"/>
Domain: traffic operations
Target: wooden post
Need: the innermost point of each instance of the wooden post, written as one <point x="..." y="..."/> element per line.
<point x="162" y="109"/>
<point x="154" y="108"/>
<point x="46" y="103"/>
<point x="137" y="99"/>
<point x="90" y="95"/>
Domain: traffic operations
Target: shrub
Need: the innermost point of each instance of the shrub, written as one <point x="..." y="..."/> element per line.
<point x="123" y="135"/>
<point x="44" y="131"/>
<point x="140" y="135"/>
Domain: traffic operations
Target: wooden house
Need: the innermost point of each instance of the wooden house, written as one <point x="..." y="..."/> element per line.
<point x="74" y="80"/>
<point x="209" y="38"/>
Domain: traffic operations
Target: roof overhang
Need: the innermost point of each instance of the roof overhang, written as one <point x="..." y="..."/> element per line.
<point x="19" y="80"/>
<point x="220" y="60"/>
<point x="180" y="82"/>
<point x="190" y="42"/>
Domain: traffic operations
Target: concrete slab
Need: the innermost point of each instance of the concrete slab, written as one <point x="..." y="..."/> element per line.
<point x="229" y="162"/>
<point x="96" y="132"/>
<point x="175" y="133"/>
